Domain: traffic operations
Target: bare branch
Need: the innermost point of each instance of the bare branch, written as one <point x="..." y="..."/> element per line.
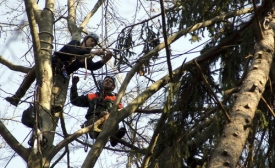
<point x="13" y="67"/>
<point x="13" y="143"/>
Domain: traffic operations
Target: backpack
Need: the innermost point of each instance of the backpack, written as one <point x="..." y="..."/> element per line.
<point x="28" y="117"/>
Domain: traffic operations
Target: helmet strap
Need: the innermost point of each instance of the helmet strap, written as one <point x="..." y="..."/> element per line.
<point x="85" y="42"/>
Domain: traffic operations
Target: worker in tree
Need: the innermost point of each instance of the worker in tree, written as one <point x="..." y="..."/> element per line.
<point x="99" y="105"/>
<point x="67" y="60"/>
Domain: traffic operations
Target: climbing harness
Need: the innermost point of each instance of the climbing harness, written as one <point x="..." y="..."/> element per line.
<point x="94" y="118"/>
<point x="85" y="124"/>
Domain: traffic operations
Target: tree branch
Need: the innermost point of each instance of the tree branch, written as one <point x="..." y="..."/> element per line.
<point x="212" y="92"/>
<point x="69" y="139"/>
<point x="167" y="47"/>
<point x="13" y="143"/>
<point x="116" y="117"/>
<point x="13" y="67"/>
<point x="91" y="13"/>
<point x="149" y="111"/>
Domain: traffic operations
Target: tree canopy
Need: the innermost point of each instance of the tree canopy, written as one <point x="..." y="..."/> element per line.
<point x="195" y="78"/>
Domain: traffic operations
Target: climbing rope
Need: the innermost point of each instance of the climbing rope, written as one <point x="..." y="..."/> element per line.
<point x="104" y="31"/>
<point x="86" y="69"/>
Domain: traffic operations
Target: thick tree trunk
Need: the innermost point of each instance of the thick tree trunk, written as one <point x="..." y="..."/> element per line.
<point x="42" y="44"/>
<point x="235" y="133"/>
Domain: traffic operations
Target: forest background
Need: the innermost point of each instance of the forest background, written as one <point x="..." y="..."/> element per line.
<point x="194" y="80"/>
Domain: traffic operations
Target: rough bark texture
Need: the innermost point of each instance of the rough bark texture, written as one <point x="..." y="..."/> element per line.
<point x="42" y="49"/>
<point x="235" y="133"/>
<point x="234" y="136"/>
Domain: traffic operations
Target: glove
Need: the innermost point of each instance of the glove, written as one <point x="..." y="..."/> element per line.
<point x="107" y="57"/>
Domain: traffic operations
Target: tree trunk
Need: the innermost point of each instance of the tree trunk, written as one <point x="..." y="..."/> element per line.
<point x="235" y="133"/>
<point x="42" y="42"/>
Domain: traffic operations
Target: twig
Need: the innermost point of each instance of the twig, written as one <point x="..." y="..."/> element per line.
<point x="211" y="91"/>
<point x="167" y="47"/>
<point x="270" y="109"/>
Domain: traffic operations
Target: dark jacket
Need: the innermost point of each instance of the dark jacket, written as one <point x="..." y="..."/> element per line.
<point x="73" y="63"/>
<point x="93" y="101"/>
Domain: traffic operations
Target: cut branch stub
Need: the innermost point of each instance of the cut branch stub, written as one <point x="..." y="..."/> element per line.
<point x="247" y="106"/>
<point x="253" y="88"/>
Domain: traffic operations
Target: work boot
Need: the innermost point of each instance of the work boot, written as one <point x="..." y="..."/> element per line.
<point x="119" y="134"/>
<point x="25" y="85"/>
<point x="13" y="100"/>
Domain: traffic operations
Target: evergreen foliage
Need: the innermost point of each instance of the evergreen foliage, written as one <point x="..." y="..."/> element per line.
<point x="196" y="105"/>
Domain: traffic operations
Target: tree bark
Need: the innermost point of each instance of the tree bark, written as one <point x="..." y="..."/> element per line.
<point x="235" y="133"/>
<point x="42" y="42"/>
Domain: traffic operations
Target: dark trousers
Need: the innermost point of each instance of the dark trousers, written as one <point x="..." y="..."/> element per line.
<point x="58" y="82"/>
<point x="26" y="84"/>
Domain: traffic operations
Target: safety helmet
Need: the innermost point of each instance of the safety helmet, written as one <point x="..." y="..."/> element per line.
<point x="94" y="36"/>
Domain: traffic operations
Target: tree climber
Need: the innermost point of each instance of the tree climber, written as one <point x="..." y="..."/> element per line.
<point x="99" y="105"/>
<point x="65" y="61"/>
